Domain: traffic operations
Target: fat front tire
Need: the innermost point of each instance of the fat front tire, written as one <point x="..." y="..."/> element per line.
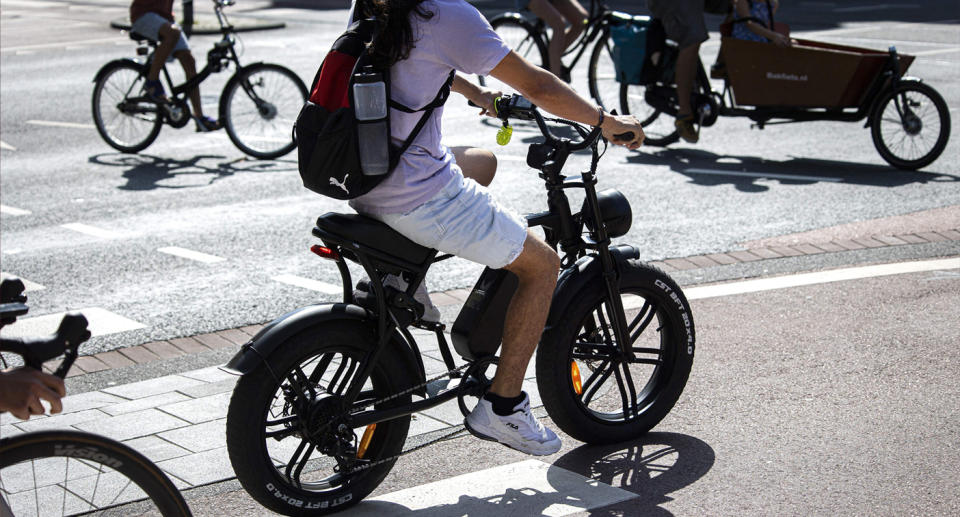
<point x="259" y="106"/>
<point x="592" y="393"/>
<point x="124" y="117"/>
<point x="910" y="125"/>
<point x="289" y="442"/>
<point x="62" y="472"/>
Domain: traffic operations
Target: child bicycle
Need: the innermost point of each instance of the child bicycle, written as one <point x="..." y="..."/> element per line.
<point x="257" y="105"/>
<point x="322" y="409"/>
<point x="66" y="472"/>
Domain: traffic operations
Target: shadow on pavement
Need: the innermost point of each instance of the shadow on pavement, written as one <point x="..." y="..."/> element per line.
<point x="650" y="468"/>
<point x="743" y="172"/>
<point x="148" y="172"/>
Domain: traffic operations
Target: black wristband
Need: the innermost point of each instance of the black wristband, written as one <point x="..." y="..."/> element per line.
<point x="600" y="109"/>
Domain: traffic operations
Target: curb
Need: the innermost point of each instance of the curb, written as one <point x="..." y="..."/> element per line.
<point x="236" y="337"/>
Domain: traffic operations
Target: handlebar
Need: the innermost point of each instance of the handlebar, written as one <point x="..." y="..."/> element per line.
<point x="517" y="107"/>
<point x="37" y="350"/>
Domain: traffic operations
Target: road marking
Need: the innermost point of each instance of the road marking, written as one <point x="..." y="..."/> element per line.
<point x="9" y="210"/>
<point x="90" y="230"/>
<point x="101" y="323"/>
<point x="307" y="283"/>
<point x="547" y="490"/>
<point x="56" y="123"/>
<point x="789" y="177"/>
<point x="190" y="254"/>
<point x="933" y="52"/>
<point x="4" y="145"/>
<point x="820" y="277"/>
<point x="57" y="45"/>
<point x="874" y="7"/>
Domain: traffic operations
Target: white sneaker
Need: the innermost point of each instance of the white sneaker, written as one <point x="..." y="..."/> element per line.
<point x="519" y="430"/>
<point x="430" y="311"/>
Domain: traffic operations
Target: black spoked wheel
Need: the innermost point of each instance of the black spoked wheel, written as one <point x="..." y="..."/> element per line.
<point x="911" y="125"/>
<point x="657" y="126"/>
<point x="521" y="36"/>
<point x="124" y="117"/>
<point x="71" y="472"/>
<point x="291" y="443"/>
<point x="598" y="396"/>
<point x="258" y="107"/>
<point x="602" y="77"/>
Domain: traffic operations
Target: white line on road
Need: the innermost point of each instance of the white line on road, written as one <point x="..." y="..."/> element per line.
<point x="101" y="322"/>
<point x="190" y="254"/>
<point x="307" y="283"/>
<point x="789" y="177"/>
<point x="9" y="210"/>
<point x="56" y="123"/>
<point x="874" y="7"/>
<point x="547" y="490"/>
<point x="4" y="145"/>
<point x="90" y="230"/>
<point x="58" y="44"/>
<point x="933" y="52"/>
<point x="820" y="277"/>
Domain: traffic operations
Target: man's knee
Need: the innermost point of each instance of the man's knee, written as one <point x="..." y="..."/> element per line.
<point x="478" y="164"/>
<point x="537" y="263"/>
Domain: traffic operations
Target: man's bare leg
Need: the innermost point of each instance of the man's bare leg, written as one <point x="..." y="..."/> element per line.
<point x="537" y="268"/>
<point x="169" y="35"/>
<point x="190" y="71"/>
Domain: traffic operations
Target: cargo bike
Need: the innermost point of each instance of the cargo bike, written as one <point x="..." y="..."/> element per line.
<point x="811" y="80"/>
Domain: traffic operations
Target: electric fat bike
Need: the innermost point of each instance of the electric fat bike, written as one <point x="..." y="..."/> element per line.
<point x="323" y="406"/>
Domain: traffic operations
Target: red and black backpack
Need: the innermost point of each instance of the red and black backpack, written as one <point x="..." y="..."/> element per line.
<point x="326" y="130"/>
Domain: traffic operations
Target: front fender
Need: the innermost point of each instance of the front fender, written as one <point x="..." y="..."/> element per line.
<point x="278" y="331"/>
<point x="574" y="279"/>
<point x="116" y="62"/>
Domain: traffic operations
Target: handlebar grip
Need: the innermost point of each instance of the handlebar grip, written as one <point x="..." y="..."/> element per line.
<point x="73" y="329"/>
<point x="628" y="136"/>
<point x="11" y="290"/>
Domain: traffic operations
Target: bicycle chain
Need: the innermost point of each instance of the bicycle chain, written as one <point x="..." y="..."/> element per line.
<point x="448" y="436"/>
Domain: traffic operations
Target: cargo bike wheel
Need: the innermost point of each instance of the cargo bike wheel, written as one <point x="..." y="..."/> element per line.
<point x="289" y="435"/>
<point x="910" y="125"/>
<point x="597" y="395"/>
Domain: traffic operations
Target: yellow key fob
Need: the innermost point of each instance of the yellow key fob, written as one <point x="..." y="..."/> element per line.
<point x="504" y="134"/>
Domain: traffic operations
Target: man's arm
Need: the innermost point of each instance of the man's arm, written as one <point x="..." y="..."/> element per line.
<point x="552" y="94"/>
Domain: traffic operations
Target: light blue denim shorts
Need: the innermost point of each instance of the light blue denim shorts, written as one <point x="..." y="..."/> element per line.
<point x="149" y="25"/>
<point x="464" y="220"/>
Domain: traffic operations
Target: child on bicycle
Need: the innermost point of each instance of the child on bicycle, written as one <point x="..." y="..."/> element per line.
<point x="566" y="18"/>
<point x="434" y="198"/>
<point x="154" y="20"/>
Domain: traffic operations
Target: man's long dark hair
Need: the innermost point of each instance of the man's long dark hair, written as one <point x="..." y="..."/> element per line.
<point x="396" y="37"/>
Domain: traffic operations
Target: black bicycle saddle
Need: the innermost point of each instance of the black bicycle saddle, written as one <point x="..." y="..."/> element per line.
<point x="373" y="234"/>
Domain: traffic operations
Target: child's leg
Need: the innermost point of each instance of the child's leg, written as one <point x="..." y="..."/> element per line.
<point x="576" y="14"/>
<point x="544" y="10"/>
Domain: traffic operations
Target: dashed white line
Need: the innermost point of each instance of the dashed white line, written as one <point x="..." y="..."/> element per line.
<point x="56" y="123"/>
<point x="101" y="322"/>
<point x="307" y="283"/>
<point x="934" y="52"/>
<point x="9" y="210"/>
<point x="789" y="177"/>
<point x="874" y="7"/>
<point x="57" y="45"/>
<point x="4" y="145"/>
<point x="547" y="490"/>
<point x="90" y="230"/>
<point x="190" y="254"/>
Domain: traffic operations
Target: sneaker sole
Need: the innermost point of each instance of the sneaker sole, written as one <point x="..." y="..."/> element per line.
<point x="482" y="436"/>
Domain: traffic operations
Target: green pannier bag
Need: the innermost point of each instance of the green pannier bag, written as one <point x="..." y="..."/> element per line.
<point x="629" y="47"/>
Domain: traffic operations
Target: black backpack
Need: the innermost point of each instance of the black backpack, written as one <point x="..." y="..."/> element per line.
<point x="328" y="153"/>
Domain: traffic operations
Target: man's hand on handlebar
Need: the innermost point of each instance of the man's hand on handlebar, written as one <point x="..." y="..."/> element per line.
<point x="22" y="388"/>
<point x="485" y="100"/>
<point x="623" y="130"/>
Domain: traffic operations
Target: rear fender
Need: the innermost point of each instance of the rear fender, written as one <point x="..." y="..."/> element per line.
<point x="585" y="271"/>
<point x="278" y="331"/>
<point x="105" y="68"/>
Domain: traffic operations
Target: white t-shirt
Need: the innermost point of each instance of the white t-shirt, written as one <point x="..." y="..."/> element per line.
<point x="456" y="37"/>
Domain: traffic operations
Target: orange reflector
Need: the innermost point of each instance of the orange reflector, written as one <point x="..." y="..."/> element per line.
<point x="365" y="441"/>
<point x="575" y="376"/>
<point x="324" y="252"/>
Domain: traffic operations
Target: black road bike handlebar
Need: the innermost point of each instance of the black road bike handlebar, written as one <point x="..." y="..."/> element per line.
<point x="37" y="350"/>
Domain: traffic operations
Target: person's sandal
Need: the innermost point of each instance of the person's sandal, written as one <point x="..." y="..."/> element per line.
<point x="206" y="123"/>
<point x="687" y="130"/>
<point x="154" y="90"/>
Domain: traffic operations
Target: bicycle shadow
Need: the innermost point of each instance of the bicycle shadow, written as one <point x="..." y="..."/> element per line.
<point x="148" y="172"/>
<point x="745" y="172"/>
<point x="644" y="471"/>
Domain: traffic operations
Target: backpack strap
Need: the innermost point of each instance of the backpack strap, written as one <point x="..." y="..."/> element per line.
<point x="437" y="101"/>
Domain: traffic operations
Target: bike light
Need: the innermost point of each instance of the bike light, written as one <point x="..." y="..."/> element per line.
<point x="575" y="376"/>
<point x="365" y="441"/>
<point x="324" y="252"/>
